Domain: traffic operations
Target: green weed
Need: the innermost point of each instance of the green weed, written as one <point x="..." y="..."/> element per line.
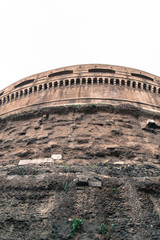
<point x="107" y="229"/>
<point x="93" y="105"/>
<point x="76" y="224"/>
<point x="66" y="187"/>
<point x="115" y="191"/>
<point x="103" y="228"/>
<point x="94" y="165"/>
<point x="73" y="106"/>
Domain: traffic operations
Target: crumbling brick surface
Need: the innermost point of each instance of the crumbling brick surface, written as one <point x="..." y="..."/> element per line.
<point x="107" y="175"/>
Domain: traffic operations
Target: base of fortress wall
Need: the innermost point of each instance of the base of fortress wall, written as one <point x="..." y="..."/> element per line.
<point x="98" y="164"/>
<point x="113" y="201"/>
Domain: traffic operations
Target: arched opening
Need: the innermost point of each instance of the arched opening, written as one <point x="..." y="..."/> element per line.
<point x="55" y="84"/>
<point x="100" y="81"/>
<point x="128" y="83"/>
<point x="72" y="81"/>
<point x="139" y="85"/>
<point x="21" y="93"/>
<point x="77" y="81"/>
<point x="83" y="81"/>
<point x="154" y="89"/>
<point x="30" y="90"/>
<point x="94" y="80"/>
<point x="66" y="82"/>
<point x="50" y="85"/>
<point x="4" y="100"/>
<point x="40" y="88"/>
<point x="61" y="83"/>
<point x="89" y="81"/>
<point x="16" y="94"/>
<point x="1" y="93"/>
<point x="8" y="98"/>
<point x="12" y="96"/>
<point x="122" y="83"/>
<point x="45" y="86"/>
<point x="111" y="81"/>
<point x="144" y="86"/>
<point x="133" y="84"/>
<point x="159" y="90"/>
<point x="106" y="80"/>
<point x="0" y="102"/>
<point x="35" y="88"/>
<point x="117" y="81"/>
<point x="25" y="92"/>
<point x="149" y="87"/>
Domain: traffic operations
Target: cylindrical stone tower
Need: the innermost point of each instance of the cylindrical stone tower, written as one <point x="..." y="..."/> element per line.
<point x="82" y="84"/>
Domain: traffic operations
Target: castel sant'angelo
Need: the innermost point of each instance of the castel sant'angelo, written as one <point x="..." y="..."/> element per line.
<point x="80" y="155"/>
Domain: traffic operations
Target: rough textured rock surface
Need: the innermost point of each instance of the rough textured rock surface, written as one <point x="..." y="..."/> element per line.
<point x="82" y="134"/>
<point x="109" y="174"/>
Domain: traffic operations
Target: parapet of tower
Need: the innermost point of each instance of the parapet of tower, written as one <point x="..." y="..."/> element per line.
<point x="82" y="84"/>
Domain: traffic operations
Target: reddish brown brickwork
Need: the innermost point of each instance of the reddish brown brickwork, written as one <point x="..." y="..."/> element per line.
<point x="82" y="84"/>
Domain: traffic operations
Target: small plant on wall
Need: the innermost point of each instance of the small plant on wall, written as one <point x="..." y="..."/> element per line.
<point x="103" y="228"/>
<point x="66" y="187"/>
<point x="76" y="225"/>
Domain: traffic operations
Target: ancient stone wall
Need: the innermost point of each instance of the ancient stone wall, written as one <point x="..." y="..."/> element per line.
<point x="81" y="134"/>
<point x="79" y="155"/>
<point x="108" y="177"/>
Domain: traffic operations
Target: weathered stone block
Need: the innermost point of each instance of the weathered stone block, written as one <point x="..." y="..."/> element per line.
<point x="36" y="161"/>
<point x="56" y="156"/>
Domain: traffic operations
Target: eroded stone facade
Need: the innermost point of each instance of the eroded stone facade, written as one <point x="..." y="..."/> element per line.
<point x="82" y="143"/>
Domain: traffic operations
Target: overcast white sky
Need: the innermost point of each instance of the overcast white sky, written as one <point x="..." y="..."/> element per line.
<point x="40" y="35"/>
